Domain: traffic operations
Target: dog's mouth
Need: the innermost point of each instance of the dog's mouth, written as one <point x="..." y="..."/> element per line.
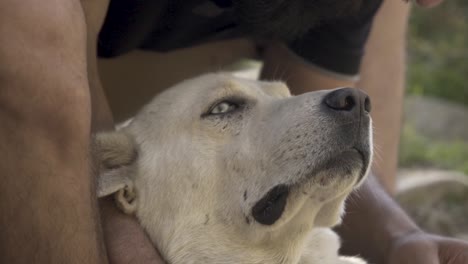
<point x="271" y="206"/>
<point x="365" y="158"/>
<point x="343" y="164"/>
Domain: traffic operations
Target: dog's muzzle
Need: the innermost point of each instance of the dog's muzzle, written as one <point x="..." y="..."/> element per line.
<point x="348" y="106"/>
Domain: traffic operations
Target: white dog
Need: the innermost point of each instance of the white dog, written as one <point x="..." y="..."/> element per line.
<point x="225" y="170"/>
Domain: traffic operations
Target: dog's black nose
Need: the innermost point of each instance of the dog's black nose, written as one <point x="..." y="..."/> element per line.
<point x="348" y="99"/>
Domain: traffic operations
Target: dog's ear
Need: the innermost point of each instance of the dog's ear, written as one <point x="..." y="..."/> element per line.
<point x="117" y="154"/>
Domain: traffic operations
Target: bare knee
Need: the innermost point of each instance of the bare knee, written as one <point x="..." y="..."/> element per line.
<point x="43" y="76"/>
<point x="61" y="120"/>
<point x="43" y="34"/>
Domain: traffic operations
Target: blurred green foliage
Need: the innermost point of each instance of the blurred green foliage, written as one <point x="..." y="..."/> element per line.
<point x="438" y="51"/>
<point x="419" y="151"/>
<point x="438" y="67"/>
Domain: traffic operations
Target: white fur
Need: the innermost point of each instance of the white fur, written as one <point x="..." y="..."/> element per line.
<point x="196" y="176"/>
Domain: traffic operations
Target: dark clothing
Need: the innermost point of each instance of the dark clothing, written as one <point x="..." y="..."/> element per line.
<point x="164" y="25"/>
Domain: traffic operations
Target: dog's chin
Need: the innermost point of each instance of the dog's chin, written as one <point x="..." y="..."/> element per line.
<point x="336" y="173"/>
<point x="340" y="167"/>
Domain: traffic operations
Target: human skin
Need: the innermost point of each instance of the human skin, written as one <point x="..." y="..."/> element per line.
<point x="47" y="200"/>
<point x="47" y="196"/>
<point x="50" y="97"/>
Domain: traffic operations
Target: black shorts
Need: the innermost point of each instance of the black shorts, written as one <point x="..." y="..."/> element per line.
<point x="165" y="25"/>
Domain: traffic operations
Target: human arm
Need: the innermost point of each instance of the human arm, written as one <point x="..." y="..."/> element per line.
<point x="376" y="228"/>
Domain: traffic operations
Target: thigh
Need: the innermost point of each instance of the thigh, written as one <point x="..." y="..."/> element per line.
<point x="46" y="192"/>
<point x="133" y="79"/>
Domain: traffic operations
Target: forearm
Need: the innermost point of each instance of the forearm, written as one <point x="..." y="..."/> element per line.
<point x="383" y="78"/>
<point x="373" y="222"/>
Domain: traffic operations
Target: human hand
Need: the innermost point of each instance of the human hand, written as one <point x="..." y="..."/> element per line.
<point x="423" y="248"/>
<point x="125" y="240"/>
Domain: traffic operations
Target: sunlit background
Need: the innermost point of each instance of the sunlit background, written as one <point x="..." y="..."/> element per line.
<point x="438" y="69"/>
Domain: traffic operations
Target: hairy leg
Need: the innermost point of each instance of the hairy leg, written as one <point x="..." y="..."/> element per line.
<point x="47" y="196"/>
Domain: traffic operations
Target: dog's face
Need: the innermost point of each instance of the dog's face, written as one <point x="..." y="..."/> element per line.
<point x="239" y="168"/>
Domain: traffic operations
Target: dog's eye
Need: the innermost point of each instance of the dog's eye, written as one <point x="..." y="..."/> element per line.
<point x="223" y="107"/>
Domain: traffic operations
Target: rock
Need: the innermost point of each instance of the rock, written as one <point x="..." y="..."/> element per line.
<point x="436" y="118"/>
<point x="437" y="200"/>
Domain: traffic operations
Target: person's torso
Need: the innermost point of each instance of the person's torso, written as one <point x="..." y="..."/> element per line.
<point x="164" y="25"/>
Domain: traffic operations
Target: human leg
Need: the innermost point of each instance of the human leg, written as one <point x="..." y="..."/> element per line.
<point x="46" y="197"/>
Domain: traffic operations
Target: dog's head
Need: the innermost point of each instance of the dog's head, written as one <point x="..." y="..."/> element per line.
<point x="220" y="168"/>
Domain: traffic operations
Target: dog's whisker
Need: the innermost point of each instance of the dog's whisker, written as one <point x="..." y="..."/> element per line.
<point x="377" y="154"/>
